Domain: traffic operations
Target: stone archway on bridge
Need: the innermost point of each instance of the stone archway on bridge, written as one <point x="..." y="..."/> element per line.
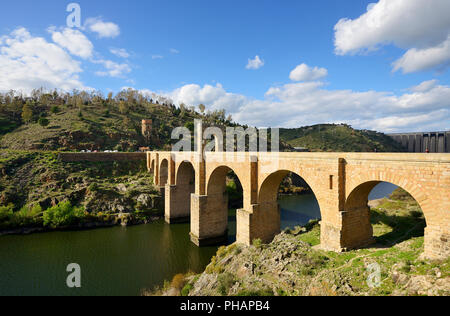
<point x="163" y="173"/>
<point x="152" y="167"/>
<point x="210" y="214"/>
<point x="268" y="212"/>
<point x="178" y="196"/>
<point x="357" y="229"/>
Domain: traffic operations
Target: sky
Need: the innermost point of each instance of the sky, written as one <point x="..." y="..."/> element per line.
<point x="380" y="65"/>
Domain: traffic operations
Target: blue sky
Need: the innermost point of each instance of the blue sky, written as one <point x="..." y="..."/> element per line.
<point x="198" y="51"/>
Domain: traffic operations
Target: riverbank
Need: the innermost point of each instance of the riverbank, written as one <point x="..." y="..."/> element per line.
<point x="39" y="192"/>
<point x="292" y="264"/>
<point x="114" y="220"/>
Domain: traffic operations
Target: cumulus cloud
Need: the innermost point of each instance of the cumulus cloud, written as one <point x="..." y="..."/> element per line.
<point x="74" y="41"/>
<point x="28" y="62"/>
<point x="255" y="63"/>
<point x="113" y="69"/>
<point x="305" y="73"/>
<point x="157" y="57"/>
<point x="421" y="27"/>
<point x="423" y="59"/>
<point x="103" y="29"/>
<point x="174" y="51"/>
<point x="120" y="52"/>
<point x="423" y="107"/>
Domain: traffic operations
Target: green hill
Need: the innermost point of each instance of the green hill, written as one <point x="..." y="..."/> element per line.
<point x="339" y="138"/>
<point x="92" y="122"/>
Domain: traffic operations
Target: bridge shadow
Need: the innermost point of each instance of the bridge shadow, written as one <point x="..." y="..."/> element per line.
<point x="404" y="227"/>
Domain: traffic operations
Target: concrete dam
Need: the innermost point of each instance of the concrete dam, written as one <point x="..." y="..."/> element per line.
<point x="435" y="142"/>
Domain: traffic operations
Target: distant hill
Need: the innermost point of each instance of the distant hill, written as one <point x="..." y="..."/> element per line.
<point x="339" y="138"/>
<point x="90" y="122"/>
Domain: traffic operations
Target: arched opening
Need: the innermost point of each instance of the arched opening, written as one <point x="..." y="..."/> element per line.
<point x="225" y="197"/>
<point x="381" y="213"/>
<point x="287" y="201"/>
<point x="185" y="184"/>
<point x="152" y="167"/>
<point x="163" y="173"/>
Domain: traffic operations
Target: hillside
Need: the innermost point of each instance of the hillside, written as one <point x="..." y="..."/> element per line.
<point x="340" y="138"/>
<point x="68" y="122"/>
<point x="34" y="182"/>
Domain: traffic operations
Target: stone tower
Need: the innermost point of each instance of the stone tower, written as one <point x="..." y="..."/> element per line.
<point x="147" y="127"/>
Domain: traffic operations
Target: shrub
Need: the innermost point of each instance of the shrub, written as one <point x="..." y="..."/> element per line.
<point x="43" y="122"/>
<point x="54" y="109"/>
<point x="257" y="243"/>
<point x="62" y="214"/>
<point x="178" y="282"/>
<point x="226" y="281"/>
<point x="187" y="289"/>
<point x="93" y="187"/>
<point x="6" y="212"/>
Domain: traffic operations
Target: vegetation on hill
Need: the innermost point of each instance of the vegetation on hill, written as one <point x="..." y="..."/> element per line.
<point x="91" y="121"/>
<point x="292" y="265"/>
<point x="339" y="138"/>
<point x="38" y="190"/>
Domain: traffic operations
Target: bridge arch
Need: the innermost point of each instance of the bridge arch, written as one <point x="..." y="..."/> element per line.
<point x="268" y="207"/>
<point x="357" y="229"/>
<point x="217" y="210"/>
<point x="152" y="167"/>
<point x="163" y="172"/>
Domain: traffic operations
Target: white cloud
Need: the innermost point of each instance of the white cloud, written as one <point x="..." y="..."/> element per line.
<point x="305" y="73"/>
<point x="174" y="51"/>
<point x="74" y="41"/>
<point x="424" y="107"/>
<point x="157" y="57"/>
<point x="255" y="63"/>
<point x="120" y="52"/>
<point x="113" y="69"/>
<point x="422" y="27"/>
<point x="28" y="62"/>
<point x="103" y="29"/>
<point x="423" y="59"/>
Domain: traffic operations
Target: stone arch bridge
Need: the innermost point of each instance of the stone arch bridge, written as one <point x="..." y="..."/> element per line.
<point x="194" y="187"/>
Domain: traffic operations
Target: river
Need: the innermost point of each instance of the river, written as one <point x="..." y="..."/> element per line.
<point x="122" y="260"/>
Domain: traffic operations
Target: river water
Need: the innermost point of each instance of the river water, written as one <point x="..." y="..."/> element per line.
<point x="121" y="260"/>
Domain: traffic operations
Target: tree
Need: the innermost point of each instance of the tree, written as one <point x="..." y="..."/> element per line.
<point x="27" y="113"/>
<point x="202" y="108"/>
<point x="43" y="122"/>
<point x="123" y="108"/>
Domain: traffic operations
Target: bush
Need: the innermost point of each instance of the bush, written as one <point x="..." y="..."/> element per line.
<point x="43" y="122"/>
<point x="257" y="243"/>
<point x="54" y="109"/>
<point x="63" y="214"/>
<point x="226" y="281"/>
<point x="187" y="289"/>
<point x="6" y="212"/>
<point x="178" y="282"/>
